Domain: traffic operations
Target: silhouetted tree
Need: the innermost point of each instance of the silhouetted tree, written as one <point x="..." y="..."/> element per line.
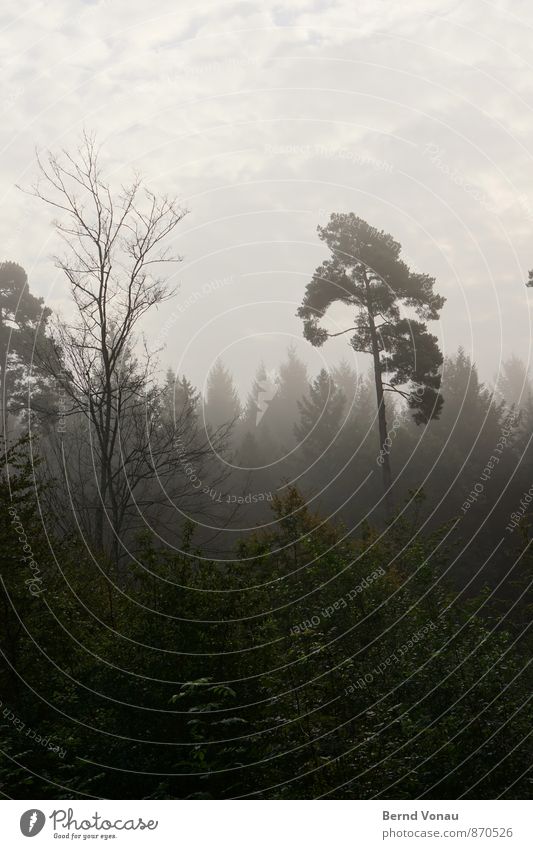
<point x="513" y="384"/>
<point x="366" y="273"/>
<point x="23" y="321"/>
<point x="281" y="414"/>
<point x="320" y="416"/>
<point x="114" y="242"/>
<point x="251" y="413"/>
<point x="348" y="381"/>
<point x="222" y="404"/>
<point x="359" y="393"/>
<point x="179" y="396"/>
<point x="454" y="452"/>
<point x="470" y="406"/>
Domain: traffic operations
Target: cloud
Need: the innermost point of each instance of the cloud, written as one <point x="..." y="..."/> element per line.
<point x="266" y="117"/>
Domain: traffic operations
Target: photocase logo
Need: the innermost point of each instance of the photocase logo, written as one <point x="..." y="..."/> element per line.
<point x="268" y="389"/>
<point x="32" y="822"/>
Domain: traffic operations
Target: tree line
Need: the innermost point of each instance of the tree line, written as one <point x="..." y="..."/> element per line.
<point x="314" y="591"/>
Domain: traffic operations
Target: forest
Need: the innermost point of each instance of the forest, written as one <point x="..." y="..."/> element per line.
<point x="316" y="588"/>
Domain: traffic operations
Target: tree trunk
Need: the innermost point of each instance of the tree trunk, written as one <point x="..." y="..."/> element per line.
<point x="382" y="420"/>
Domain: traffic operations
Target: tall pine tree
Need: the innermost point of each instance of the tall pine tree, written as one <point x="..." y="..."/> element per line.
<point x="365" y="272"/>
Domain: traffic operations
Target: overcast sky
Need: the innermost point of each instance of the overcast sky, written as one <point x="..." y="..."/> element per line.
<point x="264" y="118"/>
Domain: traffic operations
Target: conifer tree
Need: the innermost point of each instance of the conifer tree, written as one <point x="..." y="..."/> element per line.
<point x="320" y="416"/>
<point x="23" y="320"/>
<point x="365" y="272"/>
<point x="222" y="404"/>
<point x="251" y="412"/>
<point x="180" y="397"/>
<point x="513" y="384"/>
<point x="293" y="384"/>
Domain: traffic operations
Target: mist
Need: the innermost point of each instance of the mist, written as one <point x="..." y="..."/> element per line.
<point x="266" y="400"/>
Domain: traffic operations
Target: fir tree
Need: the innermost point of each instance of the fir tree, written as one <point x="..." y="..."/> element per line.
<point x="23" y="321"/>
<point x="222" y="405"/>
<point x="282" y="412"/>
<point x="513" y="385"/>
<point x="320" y="416"/>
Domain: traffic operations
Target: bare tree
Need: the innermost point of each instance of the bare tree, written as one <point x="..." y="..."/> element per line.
<point x="115" y="243"/>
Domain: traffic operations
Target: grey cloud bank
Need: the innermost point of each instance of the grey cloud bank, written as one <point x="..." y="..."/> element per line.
<point x="275" y="115"/>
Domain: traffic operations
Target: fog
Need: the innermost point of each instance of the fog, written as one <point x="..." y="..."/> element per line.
<point x="267" y="403"/>
<point x="265" y="122"/>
